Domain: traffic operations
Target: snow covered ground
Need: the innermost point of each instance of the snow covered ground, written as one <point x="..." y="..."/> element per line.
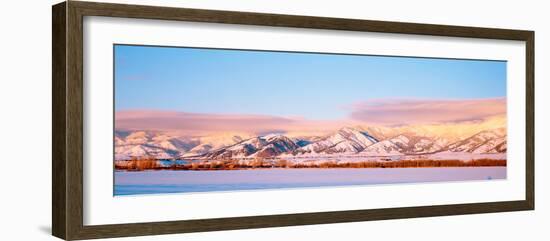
<point x="155" y="182"/>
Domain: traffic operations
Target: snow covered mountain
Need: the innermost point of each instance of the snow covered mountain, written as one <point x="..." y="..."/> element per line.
<point x="412" y="143"/>
<point x="143" y="143"/>
<point x="345" y="141"/>
<point x="261" y="146"/>
<point x="383" y="148"/>
<point x="490" y="141"/>
<point x="214" y="142"/>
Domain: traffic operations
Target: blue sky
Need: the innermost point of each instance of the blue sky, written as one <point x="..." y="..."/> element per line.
<point x="309" y="85"/>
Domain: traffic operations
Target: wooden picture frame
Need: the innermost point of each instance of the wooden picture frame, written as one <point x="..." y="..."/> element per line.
<point x="67" y="152"/>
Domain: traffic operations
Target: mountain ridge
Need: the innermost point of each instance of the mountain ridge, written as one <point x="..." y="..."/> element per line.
<point x="346" y="140"/>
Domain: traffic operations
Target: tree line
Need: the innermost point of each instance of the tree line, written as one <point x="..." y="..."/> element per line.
<point x="148" y="163"/>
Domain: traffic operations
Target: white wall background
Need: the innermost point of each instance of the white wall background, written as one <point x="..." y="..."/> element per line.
<point x="25" y="122"/>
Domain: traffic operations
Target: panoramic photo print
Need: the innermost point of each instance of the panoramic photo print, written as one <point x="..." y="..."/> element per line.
<point x="200" y="120"/>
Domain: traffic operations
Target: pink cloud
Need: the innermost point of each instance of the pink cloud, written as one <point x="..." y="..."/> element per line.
<point x="388" y="112"/>
<point x="199" y="123"/>
<point x="196" y="122"/>
<point x="411" y="111"/>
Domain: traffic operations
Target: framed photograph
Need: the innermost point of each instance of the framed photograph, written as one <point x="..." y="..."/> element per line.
<point x="171" y="120"/>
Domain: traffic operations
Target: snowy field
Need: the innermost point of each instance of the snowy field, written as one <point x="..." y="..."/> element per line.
<point x="167" y="181"/>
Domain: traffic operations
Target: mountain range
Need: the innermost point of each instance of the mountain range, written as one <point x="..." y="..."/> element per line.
<point x="345" y="141"/>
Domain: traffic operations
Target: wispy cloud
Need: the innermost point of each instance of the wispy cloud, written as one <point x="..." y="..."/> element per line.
<point x="197" y="123"/>
<point x="419" y="111"/>
<point x="387" y="112"/>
